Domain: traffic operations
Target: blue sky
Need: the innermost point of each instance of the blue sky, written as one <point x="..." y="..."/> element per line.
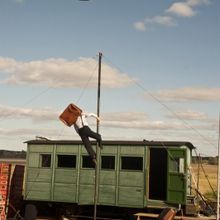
<point x="160" y="69"/>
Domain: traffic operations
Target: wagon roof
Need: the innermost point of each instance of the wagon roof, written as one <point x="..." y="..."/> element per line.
<point x="117" y="142"/>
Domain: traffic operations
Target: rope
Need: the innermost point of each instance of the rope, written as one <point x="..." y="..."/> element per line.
<point x="206" y="176"/>
<point x="187" y="125"/>
<point x="32" y="99"/>
<point x="81" y="95"/>
<point x="87" y="83"/>
<point x="28" y="102"/>
<point x="179" y="118"/>
<point x="171" y="156"/>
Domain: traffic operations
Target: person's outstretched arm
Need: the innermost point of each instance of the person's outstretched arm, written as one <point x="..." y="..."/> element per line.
<point x="91" y="115"/>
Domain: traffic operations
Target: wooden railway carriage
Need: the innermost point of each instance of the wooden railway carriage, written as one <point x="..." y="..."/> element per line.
<point x="133" y="174"/>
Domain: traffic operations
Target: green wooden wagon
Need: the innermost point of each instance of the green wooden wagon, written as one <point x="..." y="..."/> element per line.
<point x="132" y="174"/>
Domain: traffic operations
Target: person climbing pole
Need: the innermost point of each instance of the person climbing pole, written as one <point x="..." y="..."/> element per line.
<point x="73" y="115"/>
<point x="82" y="128"/>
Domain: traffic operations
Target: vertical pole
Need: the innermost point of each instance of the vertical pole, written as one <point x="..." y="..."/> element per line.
<point x="98" y="93"/>
<point x="97" y="147"/>
<point x="218" y="181"/>
<point x="198" y="174"/>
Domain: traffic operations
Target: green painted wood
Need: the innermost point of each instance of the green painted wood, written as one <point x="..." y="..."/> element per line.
<point x="132" y="150"/>
<point x="73" y="149"/>
<point x="76" y="185"/>
<point x="131" y="196"/>
<point x="131" y="178"/>
<point x="64" y="192"/>
<point x="86" y="194"/>
<point x="87" y="176"/>
<point x="176" y="176"/>
<point x="107" y="177"/>
<point x="107" y="195"/>
<point x="65" y="176"/>
<point x="39" y="175"/>
<point x="33" y="160"/>
<point x="44" y="148"/>
<point x="38" y="191"/>
<point x="110" y="149"/>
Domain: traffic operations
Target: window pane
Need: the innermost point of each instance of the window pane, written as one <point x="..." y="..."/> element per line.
<point x="45" y="160"/>
<point x="87" y="162"/>
<point x="108" y="162"/>
<point x="177" y="165"/>
<point x="66" y="161"/>
<point x="174" y="165"/>
<point x="132" y="163"/>
<point x="181" y="166"/>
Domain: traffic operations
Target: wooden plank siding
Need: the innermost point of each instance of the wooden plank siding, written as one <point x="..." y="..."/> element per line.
<point x="123" y="172"/>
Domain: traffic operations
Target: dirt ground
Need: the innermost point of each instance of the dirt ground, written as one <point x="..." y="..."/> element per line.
<point x="210" y="173"/>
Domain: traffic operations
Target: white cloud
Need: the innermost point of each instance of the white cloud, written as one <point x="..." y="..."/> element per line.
<point x="61" y="73"/>
<point x="135" y="120"/>
<point x="156" y="20"/>
<point x="125" y="116"/>
<point x="181" y="9"/>
<point x="132" y="125"/>
<point x="140" y="26"/>
<point x="139" y="120"/>
<point x="161" y="20"/>
<point x="190" y="94"/>
<point x="44" y="114"/>
<point x="198" y="2"/>
<point x="32" y="133"/>
<point x="189" y="115"/>
<point x="186" y="9"/>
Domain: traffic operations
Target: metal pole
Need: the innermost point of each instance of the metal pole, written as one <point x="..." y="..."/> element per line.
<point x="198" y="175"/>
<point x="97" y="147"/>
<point x="218" y="181"/>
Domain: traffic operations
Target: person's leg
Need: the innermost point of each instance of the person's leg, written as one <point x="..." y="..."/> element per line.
<point x="94" y="135"/>
<point x="89" y="149"/>
<point x="87" y="144"/>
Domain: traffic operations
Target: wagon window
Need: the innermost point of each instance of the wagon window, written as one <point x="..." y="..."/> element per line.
<point x="108" y="162"/>
<point x="177" y="165"/>
<point x="132" y="163"/>
<point x="45" y="160"/>
<point x="87" y="162"/>
<point x="66" y="161"/>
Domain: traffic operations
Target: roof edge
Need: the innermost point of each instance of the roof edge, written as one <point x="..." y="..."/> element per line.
<point x="116" y="142"/>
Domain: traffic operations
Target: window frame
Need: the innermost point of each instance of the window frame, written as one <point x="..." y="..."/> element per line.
<point x="42" y="160"/>
<point x="177" y="165"/>
<point x="132" y="169"/>
<point x="108" y="169"/>
<point x="66" y="167"/>
<point x="88" y="158"/>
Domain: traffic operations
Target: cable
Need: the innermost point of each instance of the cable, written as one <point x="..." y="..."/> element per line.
<point x="164" y="105"/>
<point x="28" y="102"/>
<point x="179" y="118"/>
<point x="43" y="92"/>
<point x="86" y="84"/>
<point x="82" y="93"/>
<point x="206" y="176"/>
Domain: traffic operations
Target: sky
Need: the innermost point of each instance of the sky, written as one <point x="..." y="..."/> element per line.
<point x="160" y="68"/>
